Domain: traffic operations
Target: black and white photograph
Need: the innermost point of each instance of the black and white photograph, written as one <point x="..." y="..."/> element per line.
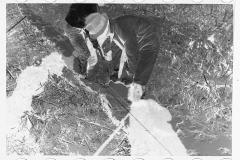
<point x="119" y="79"/>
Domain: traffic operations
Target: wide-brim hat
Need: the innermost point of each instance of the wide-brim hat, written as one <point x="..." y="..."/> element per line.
<point x="96" y="24"/>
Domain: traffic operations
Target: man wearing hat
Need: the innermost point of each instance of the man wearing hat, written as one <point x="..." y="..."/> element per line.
<point x="138" y="42"/>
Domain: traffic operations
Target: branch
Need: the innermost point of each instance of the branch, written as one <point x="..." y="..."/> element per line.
<point x="48" y="102"/>
<point x="8" y="87"/>
<point x="9" y="90"/>
<point x="10" y="73"/>
<point x="205" y="79"/>
<point x="95" y="124"/>
<point x="210" y="107"/>
<point x="195" y="121"/>
<point x="61" y="139"/>
<point x="16" y="24"/>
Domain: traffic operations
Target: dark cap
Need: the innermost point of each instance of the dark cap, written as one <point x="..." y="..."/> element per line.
<point x="78" y="12"/>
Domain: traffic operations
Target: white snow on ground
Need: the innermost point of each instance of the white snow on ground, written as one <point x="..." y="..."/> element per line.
<point x="29" y="84"/>
<point x="211" y="38"/>
<point x="155" y="119"/>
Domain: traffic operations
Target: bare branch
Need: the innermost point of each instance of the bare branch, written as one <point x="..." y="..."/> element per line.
<point x="205" y="79"/>
<point x="9" y="72"/>
<point x="16" y="24"/>
<point x="95" y="124"/>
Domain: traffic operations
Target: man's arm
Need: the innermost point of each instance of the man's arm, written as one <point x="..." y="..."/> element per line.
<point x="116" y="55"/>
<point x="132" y="50"/>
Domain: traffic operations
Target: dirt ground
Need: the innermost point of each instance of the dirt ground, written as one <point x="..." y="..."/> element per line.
<point x="61" y="123"/>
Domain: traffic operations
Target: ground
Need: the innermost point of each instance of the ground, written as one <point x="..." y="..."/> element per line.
<point x="192" y="78"/>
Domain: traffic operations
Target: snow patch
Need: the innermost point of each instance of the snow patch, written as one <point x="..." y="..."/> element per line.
<point x="163" y="141"/>
<point x="29" y="84"/>
<point x="191" y="43"/>
<point x="211" y="38"/>
<point x="205" y="46"/>
<point x="23" y="140"/>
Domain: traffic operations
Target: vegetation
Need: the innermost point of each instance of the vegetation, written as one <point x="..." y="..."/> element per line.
<point x="192" y="76"/>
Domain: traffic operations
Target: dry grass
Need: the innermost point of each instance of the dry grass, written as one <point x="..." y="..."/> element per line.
<point x="68" y="120"/>
<point x="192" y="78"/>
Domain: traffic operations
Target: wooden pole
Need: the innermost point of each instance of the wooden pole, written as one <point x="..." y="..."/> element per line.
<point x="111" y="136"/>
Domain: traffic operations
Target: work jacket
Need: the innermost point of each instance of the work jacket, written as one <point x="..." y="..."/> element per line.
<point x="137" y="38"/>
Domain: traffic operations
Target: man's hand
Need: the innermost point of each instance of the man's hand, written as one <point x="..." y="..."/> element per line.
<point x="135" y="92"/>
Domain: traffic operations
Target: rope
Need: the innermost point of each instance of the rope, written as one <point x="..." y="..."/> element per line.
<point x="135" y="117"/>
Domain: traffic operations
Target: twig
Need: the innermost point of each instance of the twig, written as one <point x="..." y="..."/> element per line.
<point x="195" y="121"/>
<point x="41" y="85"/>
<point x="14" y="66"/>
<point x="210" y="107"/>
<point x="205" y="79"/>
<point x="49" y="102"/>
<point x="10" y="73"/>
<point x="9" y="90"/>
<point x="89" y="149"/>
<point x="11" y="85"/>
<point x="224" y="89"/>
<point x="95" y="124"/>
<point x="16" y="24"/>
<point x="111" y="136"/>
<point x="66" y="141"/>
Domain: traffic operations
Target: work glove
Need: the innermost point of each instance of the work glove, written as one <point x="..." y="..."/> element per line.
<point x="135" y="92"/>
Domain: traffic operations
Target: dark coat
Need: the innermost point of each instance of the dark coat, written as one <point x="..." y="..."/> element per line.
<point x="139" y="39"/>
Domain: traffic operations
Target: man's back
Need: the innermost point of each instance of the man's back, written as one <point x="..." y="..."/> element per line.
<point x="129" y="21"/>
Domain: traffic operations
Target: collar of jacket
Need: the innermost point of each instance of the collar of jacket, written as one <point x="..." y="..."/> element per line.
<point x="116" y="32"/>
